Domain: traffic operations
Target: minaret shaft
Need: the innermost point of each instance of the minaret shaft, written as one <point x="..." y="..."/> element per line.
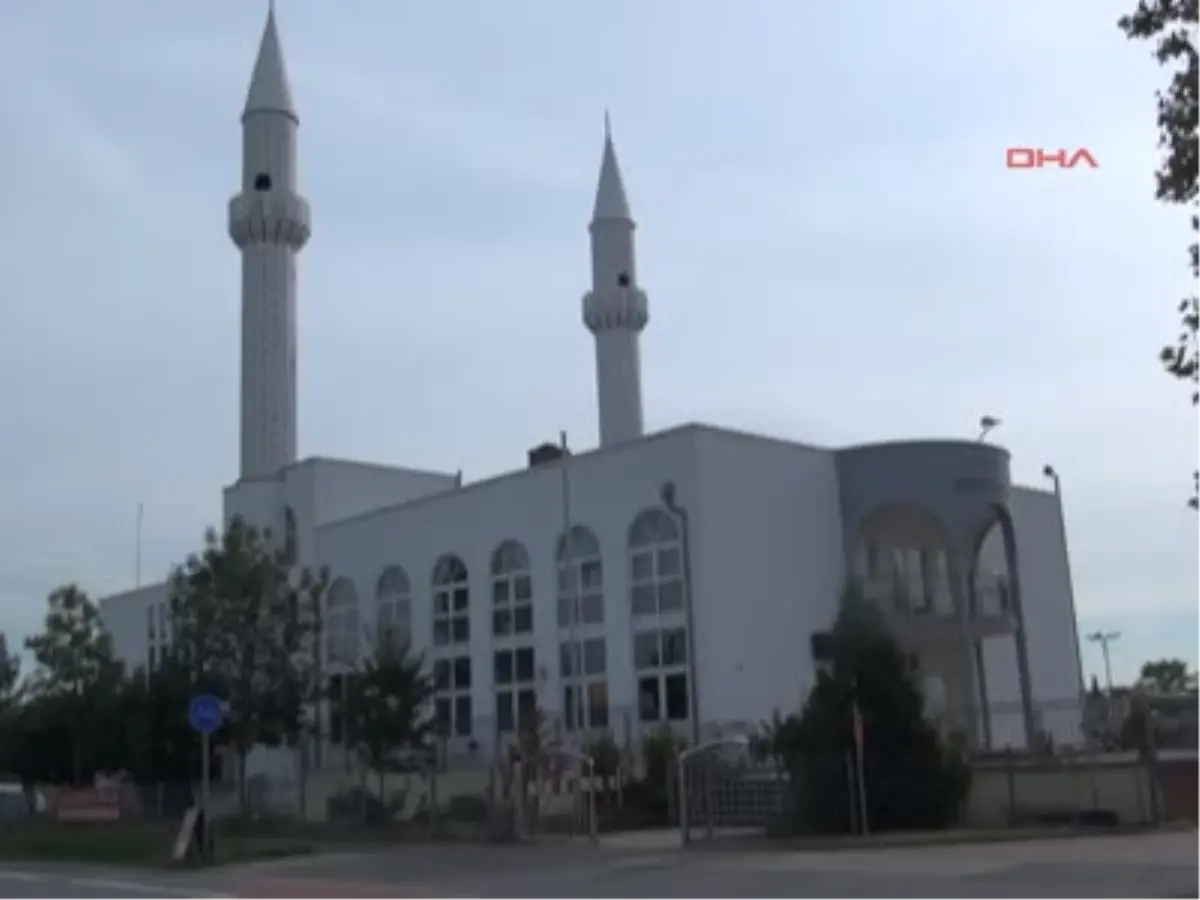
<point x="615" y="310"/>
<point x="269" y="223"/>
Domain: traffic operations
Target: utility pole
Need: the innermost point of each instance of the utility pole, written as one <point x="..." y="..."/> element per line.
<point x="1104" y="639"/>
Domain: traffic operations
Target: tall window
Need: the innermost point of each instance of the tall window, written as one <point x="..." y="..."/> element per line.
<point x="584" y="668"/>
<point x="512" y="591"/>
<point x="451" y="640"/>
<point x="515" y="679"/>
<point x="582" y="651"/>
<point x="452" y="695"/>
<point x="451" y="602"/>
<point x="393" y="608"/>
<point x="655" y="565"/>
<point x="660" y="628"/>
<point x="660" y="659"/>
<point x="341" y="624"/>
<point x="580" y="579"/>
<point x="158" y="633"/>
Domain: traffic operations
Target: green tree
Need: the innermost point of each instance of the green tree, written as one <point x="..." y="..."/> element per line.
<point x="913" y="778"/>
<point x="160" y="745"/>
<point x="237" y="627"/>
<point x="1167" y="676"/>
<point x="1171" y="25"/>
<point x="386" y="709"/>
<point x="76" y="673"/>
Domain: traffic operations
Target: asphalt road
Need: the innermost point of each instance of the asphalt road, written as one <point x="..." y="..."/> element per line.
<point x="1161" y="865"/>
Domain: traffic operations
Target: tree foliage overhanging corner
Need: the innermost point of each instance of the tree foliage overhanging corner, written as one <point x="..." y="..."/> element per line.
<point x="1172" y="25"/>
<point x="914" y="779"/>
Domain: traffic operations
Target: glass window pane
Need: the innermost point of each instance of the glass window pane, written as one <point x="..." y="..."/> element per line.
<point x="502" y="622"/>
<point x="500" y="595"/>
<point x="441" y="632"/>
<point x="641" y="566"/>
<point x="523" y="619"/>
<point x="594" y="657"/>
<point x="642" y="600"/>
<point x="387" y="615"/>
<point x="645" y="650"/>
<point x="597" y="704"/>
<point x="442" y="715"/>
<point x="462" y="629"/>
<point x="590" y="573"/>
<point x="442" y="675"/>
<point x="522" y="588"/>
<point x="525" y="664"/>
<point x="462" y="599"/>
<point x="674" y="647"/>
<point x="462" y="673"/>
<point x="669" y="562"/>
<point x="569" y="707"/>
<point x="462" y="715"/>
<point x="504" y="712"/>
<point x="441" y="603"/>
<point x="566" y="606"/>
<point x="566" y="579"/>
<point x="565" y="660"/>
<point x="648" y="700"/>
<point x="670" y="596"/>
<point x="676" y="689"/>
<point x="503" y="667"/>
<point x="527" y="707"/>
<point x="593" y="609"/>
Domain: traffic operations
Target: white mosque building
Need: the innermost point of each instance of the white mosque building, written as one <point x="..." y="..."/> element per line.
<point x="684" y="578"/>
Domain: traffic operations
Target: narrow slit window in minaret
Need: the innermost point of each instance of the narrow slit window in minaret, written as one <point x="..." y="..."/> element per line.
<point x="262" y="182"/>
<point x="623" y="279"/>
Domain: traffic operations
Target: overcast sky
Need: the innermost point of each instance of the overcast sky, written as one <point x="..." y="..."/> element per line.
<point x="833" y="248"/>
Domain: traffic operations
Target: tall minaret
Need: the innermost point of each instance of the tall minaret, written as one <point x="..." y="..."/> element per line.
<point x="269" y="222"/>
<point x="615" y="309"/>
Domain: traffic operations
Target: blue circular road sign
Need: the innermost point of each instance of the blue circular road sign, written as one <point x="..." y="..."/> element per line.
<point x="204" y="713"/>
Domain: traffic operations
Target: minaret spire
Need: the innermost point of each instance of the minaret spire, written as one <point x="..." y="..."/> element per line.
<point x="269" y="87"/>
<point x="615" y="310"/>
<point x="269" y="223"/>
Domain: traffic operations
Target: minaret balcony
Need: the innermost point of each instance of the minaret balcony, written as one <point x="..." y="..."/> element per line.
<point x="269" y="217"/>
<point x="616" y="308"/>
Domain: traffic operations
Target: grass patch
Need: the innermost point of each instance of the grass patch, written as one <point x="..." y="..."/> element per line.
<point x="115" y="843"/>
<point x="134" y="843"/>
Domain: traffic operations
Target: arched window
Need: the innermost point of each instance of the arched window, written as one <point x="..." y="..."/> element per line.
<point x="580" y="579"/>
<point x="660" y="643"/>
<point x="583" y="662"/>
<point x="451" y="640"/>
<point x="512" y="590"/>
<point x="341" y="623"/>
<point x="515" y="677"/>
<point x="393" y="613"/>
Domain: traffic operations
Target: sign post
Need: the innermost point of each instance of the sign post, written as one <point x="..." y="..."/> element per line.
<point x="204" y="715"/>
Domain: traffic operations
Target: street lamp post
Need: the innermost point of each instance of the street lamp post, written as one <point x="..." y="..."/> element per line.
<point x="1050" y="472"/>
<point x="1104" y="639"/>
<point x="671" y="502"/>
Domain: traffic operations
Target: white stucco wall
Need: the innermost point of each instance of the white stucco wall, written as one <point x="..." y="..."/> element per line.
<point x="608" y="488"/>
<point x="769" y="568"/>
<point x="125" y="617"/>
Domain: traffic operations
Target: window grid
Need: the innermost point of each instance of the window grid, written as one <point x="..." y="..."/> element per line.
<point x="512" y="591"/>
<point x="451" y="603"/>
<point x="515" y="681"/>
<point x="656" y="599"/>
<point x="393" y="610"/>
<point x="341" y="624"/>
<point x="583" y="669"/>
<point x="452" y="696"/>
